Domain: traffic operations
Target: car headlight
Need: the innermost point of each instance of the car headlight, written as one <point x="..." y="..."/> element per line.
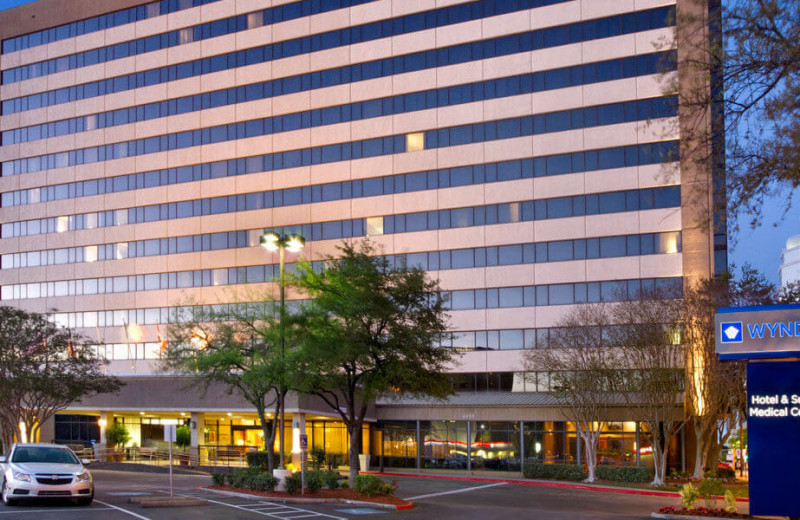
<point x="83" y="477"/>
<point x="24" y="477"/>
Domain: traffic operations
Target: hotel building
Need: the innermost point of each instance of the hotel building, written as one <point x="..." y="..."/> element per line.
<point x="524" y="152"/>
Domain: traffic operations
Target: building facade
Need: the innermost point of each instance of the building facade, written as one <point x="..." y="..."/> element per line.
<point x="525" y="152"/>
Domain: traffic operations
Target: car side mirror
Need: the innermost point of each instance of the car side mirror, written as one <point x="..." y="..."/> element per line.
<point x="2" y="458"/>
<point x="86" y="462"/>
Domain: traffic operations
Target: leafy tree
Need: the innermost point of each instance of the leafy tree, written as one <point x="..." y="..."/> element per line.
<point x="789" y="293"/>
<point x="43" y="369"/>
<point x="183" y="437"/>
<point x="652" y="381"/>
<point x="715" y="392"/>
<point x="370" y="330"/>
<point x="117" y="435"/>
<point x="743" y="95"/>
<point x="237" y="345"/>
<point x="581" y="367"/>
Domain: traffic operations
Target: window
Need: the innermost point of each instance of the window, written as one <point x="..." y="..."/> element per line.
<point x="374" y="226"/>
<point x="415" y="142"/>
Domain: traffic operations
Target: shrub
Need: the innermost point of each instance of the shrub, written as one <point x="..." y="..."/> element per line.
<point x="624" y="473"/>
<point x="317" y="458"/>
<point x="294" y="484"/>
<point x="263" y="482"/>
<point x="331" y="479"/>
<point x="730" y="501"/>
<point x="534" y="469"/>
<point x="117" y="435"/>
<point x="258" y="459"/>
<point x="371" y="485"/>
<point x="242" y="477"/>
<point x="689" y="495"/>
<point x="218" y="479"/>
<point x="345" y="485"/>
<point x="183" y="437"/>
<point x="709" y="488"/>
<point x="725" y="472"/>
<point x="313" y="481"/>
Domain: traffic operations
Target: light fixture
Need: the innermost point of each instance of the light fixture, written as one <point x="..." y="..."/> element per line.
<point x="294" y="243"/>
<point x="270" y="240"/>
<point x="229" y="414"/>
<point x="102" y="423"/>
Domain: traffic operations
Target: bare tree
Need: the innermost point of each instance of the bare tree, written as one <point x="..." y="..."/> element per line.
<point x="43" y="369"/>
<point x="739" y="76"/>
<point x="652" y="381"/>
<point x="581" y="367"/>
<point x="715" y="391"/>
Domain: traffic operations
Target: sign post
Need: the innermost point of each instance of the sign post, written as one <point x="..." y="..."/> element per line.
<point x="303" y="448"/>
<point x="768" y="338"/>
<point x="170" y="436"/>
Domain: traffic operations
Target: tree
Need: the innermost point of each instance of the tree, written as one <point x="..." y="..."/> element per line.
<point x="744" y="96"/>
<point x="237" y="345"/>
<point x="43" y="369"/>
<point x="370" y="330"/>
<point x="715" y="392"/>
<point x="581" y="367"/>
<point x="652" y="381"/>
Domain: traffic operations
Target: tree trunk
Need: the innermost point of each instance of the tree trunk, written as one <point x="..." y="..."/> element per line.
<point x="660" y="448"/>
<point x="699" y="448"/>
<point x="268" y="433"/>
<point x="354" y="429"/>
<point x="590" y="441"/>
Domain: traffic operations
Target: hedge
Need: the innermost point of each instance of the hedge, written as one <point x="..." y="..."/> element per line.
<point x="258" y="459"/>
<point x="534" y="469"/>
<point x="624" y="473"/>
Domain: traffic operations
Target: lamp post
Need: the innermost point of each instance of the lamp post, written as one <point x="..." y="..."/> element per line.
<point x="272" y="241"/>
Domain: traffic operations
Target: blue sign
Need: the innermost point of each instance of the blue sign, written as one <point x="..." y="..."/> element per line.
<point x="731" y="332"/>
<point x="765" y="332"/>
<point x="773" y="422"/>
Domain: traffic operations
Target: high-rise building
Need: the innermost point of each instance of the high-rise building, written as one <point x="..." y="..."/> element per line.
<point x="524" y="152"/>
<point x="789" y="270"/>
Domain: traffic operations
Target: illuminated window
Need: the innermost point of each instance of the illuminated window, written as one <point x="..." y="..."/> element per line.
<point x="374" y="226"/>
<point x="90" y="254"/>
<point x="415" y="142"/>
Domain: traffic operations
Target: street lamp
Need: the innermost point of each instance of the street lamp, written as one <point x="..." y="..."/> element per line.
<point x="272" y="241"/>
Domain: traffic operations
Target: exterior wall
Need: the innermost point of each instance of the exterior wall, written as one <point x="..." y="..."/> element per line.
<point x="134" y="355"/>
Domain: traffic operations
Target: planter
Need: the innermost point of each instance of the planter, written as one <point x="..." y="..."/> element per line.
<point x="184" y="459"/>
<point x="117" y="456"/>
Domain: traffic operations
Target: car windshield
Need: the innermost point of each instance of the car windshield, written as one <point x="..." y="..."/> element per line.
<point x="44" y="454"/>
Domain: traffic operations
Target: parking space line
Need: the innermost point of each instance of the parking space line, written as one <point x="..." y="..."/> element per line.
<point x="464" y="490"/>
<point x="275" y="514"/>
<point x="18" y="511"/>
<point x="112" y="506"/>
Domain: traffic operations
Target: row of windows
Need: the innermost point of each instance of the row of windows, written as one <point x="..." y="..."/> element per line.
<point x="560" y="164"/>
<point x="611" y="291"/>
<point x="501" y="46"/>
<point x="166" y="40"/>
<point x="613" y="202"/>
<point x="563" y="293"/>
<point x="614" y="113"/>
<point x="522" y="84"/>
<point x="99" y="23"/>
<point x="514" y="254"/>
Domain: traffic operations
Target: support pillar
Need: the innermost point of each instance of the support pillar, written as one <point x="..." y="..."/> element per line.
<point x="197" y="424"/>
<point x="298" y="429"/>
<point x="100" y="448"/>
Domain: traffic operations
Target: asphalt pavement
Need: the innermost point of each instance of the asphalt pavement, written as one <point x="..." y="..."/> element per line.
<point x="438" y="499"/>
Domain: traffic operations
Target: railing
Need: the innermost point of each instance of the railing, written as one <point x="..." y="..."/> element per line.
<point x="207" y="455"/>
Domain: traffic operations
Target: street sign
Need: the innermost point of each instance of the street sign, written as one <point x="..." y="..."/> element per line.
<point x="170" y="433"/>
<point x="303" y="442"/>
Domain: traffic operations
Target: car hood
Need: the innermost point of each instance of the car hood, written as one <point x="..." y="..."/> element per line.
<point x="45" y="467"/>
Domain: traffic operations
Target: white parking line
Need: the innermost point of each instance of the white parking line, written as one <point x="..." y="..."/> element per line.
<point x="112" y="506"/>
<point x="456" y="491"/>
<point x="275" y="514"/>
<point x="60" y="511"/>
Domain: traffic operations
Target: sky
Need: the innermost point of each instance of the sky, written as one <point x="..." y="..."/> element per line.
<point x="760" y="247"/>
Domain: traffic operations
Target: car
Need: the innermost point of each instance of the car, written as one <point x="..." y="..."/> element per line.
<point x="45" y="471"/>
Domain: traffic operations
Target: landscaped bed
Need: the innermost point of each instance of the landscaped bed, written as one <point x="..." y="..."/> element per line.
<point x="714" y="512"/>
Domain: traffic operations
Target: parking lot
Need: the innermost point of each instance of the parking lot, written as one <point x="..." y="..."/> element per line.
<point x="434" y="498"/>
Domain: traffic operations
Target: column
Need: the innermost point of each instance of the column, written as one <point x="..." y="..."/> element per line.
<point x="197" y="424"/>
<point x="298" y="429"/>
<point x="101" y="445"/>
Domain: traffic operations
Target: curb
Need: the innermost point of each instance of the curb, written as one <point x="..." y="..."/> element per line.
<point x="548" y="483"/>
<point x="300" y="500"/>
<point x="689" y="517"/>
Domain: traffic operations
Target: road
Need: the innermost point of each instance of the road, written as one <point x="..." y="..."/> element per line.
<point x="434" y="498"/>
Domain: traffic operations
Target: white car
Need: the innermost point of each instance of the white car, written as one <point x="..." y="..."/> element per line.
<point x="42" y="471"/>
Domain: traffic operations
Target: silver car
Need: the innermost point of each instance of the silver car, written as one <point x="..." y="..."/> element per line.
<point x="39" y="471"/>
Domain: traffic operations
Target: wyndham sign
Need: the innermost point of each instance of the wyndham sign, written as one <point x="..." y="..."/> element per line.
<point x="766" y="332"/>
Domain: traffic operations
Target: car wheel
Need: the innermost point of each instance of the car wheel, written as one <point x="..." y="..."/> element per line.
<point x="85" y="501"/>
<point x="6" y="500"/>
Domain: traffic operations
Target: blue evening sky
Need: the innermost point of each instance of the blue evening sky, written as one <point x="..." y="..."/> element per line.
<point x="761" y="247"/>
